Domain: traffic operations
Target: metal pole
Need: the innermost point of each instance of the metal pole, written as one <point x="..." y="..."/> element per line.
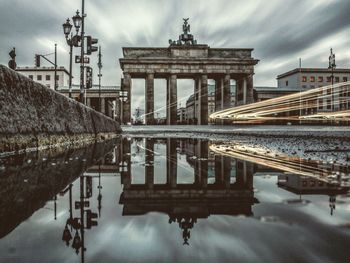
<point x="82" y="54"/>
<point x="55" y="88"/>
<point x="70" y="68"/>
<point x="99" y="78"/>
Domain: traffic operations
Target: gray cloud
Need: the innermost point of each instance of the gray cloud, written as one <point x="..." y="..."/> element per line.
<point x="279" y="31"/>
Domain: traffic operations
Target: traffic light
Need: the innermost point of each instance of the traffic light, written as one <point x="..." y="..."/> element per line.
<point x="90" y="216"/>
<point x="88" y="77"/>
<point x="12" y="62"/>
<point x="90" y="42"/>
<point x="37" y="60"/>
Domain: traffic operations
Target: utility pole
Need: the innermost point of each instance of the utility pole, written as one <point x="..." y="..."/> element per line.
<point x="99" y="64"/>
<point x="55" y="67"/>
<point x="82" y="33"/>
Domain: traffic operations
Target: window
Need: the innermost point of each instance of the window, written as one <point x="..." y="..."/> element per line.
<point x="38" y="77"/>
<point x="320" y="79"/>
<point x="336" y="79"/>
<point x="320" y="104"/>
<point x="304" y="79"/>
<point x="286" y="82"/>
<point x="48" y="77"/>
<point x="48" y="85"/>
<point x="304" y="86"/>
<point x="57" y="77"/>
<point x="329" y="79"/>
<point x="345" y="79"/>
<point x="312" y="86"/>
<point x="329" y="105"/>
<point x="312" y="78"/>
<point x="30" y="76"/>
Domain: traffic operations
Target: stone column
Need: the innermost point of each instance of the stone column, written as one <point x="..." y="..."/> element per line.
<point x="103" y="105"/>
<point x="149" y="163"/>
<point x="172" y="100"/>
<point x="227" y="171"/>
<point x="126" y="163"/>
<point x="250" y="89"/>
<point x="126" y="85"/>
<point x="239" y="92"/>
<point x="244" y="90"/>
<point x="88" y="102"/>
<point x="171" y="165"/>
<point x="219" y="86"/>
<point x="218" y="170"/>
<point x="226" y="93"/>
<point x="149" y="99"/>
<point x="203" y="100"/>
<point x="203" y="162"/>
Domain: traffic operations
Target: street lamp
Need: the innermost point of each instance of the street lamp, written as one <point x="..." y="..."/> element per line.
<point x="72" y="41"/>
<point x="332" y="66"/>
<point x="77" y="20"/>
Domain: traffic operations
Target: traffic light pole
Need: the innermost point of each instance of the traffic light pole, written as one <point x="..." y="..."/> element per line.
<point x="70" y="69"/>
<point x="82" y="54"/>
<point x="55" y="67"/>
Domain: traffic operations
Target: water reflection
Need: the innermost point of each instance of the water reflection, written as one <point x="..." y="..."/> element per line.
<point x="180" y="182"/>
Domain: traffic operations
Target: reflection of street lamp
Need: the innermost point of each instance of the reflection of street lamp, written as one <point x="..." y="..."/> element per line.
<point x="72" y="41"/>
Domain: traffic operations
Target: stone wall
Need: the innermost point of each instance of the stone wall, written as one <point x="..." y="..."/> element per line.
<point x="31" y="115"/>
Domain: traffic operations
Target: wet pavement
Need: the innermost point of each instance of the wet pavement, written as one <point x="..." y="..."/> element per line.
<point x="172" y="200"/>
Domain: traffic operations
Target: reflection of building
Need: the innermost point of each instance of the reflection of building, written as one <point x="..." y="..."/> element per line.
<point x="46" y="75"/>
<point x="185" y="203"/>
<point x="304" y="185"/>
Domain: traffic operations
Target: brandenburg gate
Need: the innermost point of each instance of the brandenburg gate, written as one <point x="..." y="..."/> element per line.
<point x="185" y="59"/>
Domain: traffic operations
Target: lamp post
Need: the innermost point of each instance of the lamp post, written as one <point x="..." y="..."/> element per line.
<point x="332" y="66"/>
<point x="72" y="41"/>
<point x="99" y="64"/>
<point x="82" y="32"/>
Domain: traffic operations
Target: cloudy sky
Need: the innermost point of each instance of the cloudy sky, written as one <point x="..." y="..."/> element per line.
<point x="280" y="31"/>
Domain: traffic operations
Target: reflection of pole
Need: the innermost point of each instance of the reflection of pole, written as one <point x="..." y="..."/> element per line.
<point x="55" y="207"/>
<point x="70" y="202"/>
<point x="82" y="217"/>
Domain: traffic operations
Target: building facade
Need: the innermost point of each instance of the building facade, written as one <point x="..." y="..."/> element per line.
<point x="310" y="78"/>
<point x="46" y="75"/>
<point x="302" y="79"/>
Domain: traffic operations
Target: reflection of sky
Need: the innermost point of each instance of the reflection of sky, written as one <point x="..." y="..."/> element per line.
<point x="295" y="232"/>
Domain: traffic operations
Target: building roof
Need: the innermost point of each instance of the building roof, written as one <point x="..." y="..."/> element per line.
<point x="312" y="70"/>
<point x="276" y="89"/>
<point x="95" y="87"/>
<point x="42" y="69"/>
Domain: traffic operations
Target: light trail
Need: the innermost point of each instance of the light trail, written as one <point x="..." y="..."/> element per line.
<point x="283" y="163"/>
<point x="332" y="98"/>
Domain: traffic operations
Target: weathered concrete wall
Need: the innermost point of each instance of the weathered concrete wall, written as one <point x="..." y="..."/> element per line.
<point x="32" y="115"/>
